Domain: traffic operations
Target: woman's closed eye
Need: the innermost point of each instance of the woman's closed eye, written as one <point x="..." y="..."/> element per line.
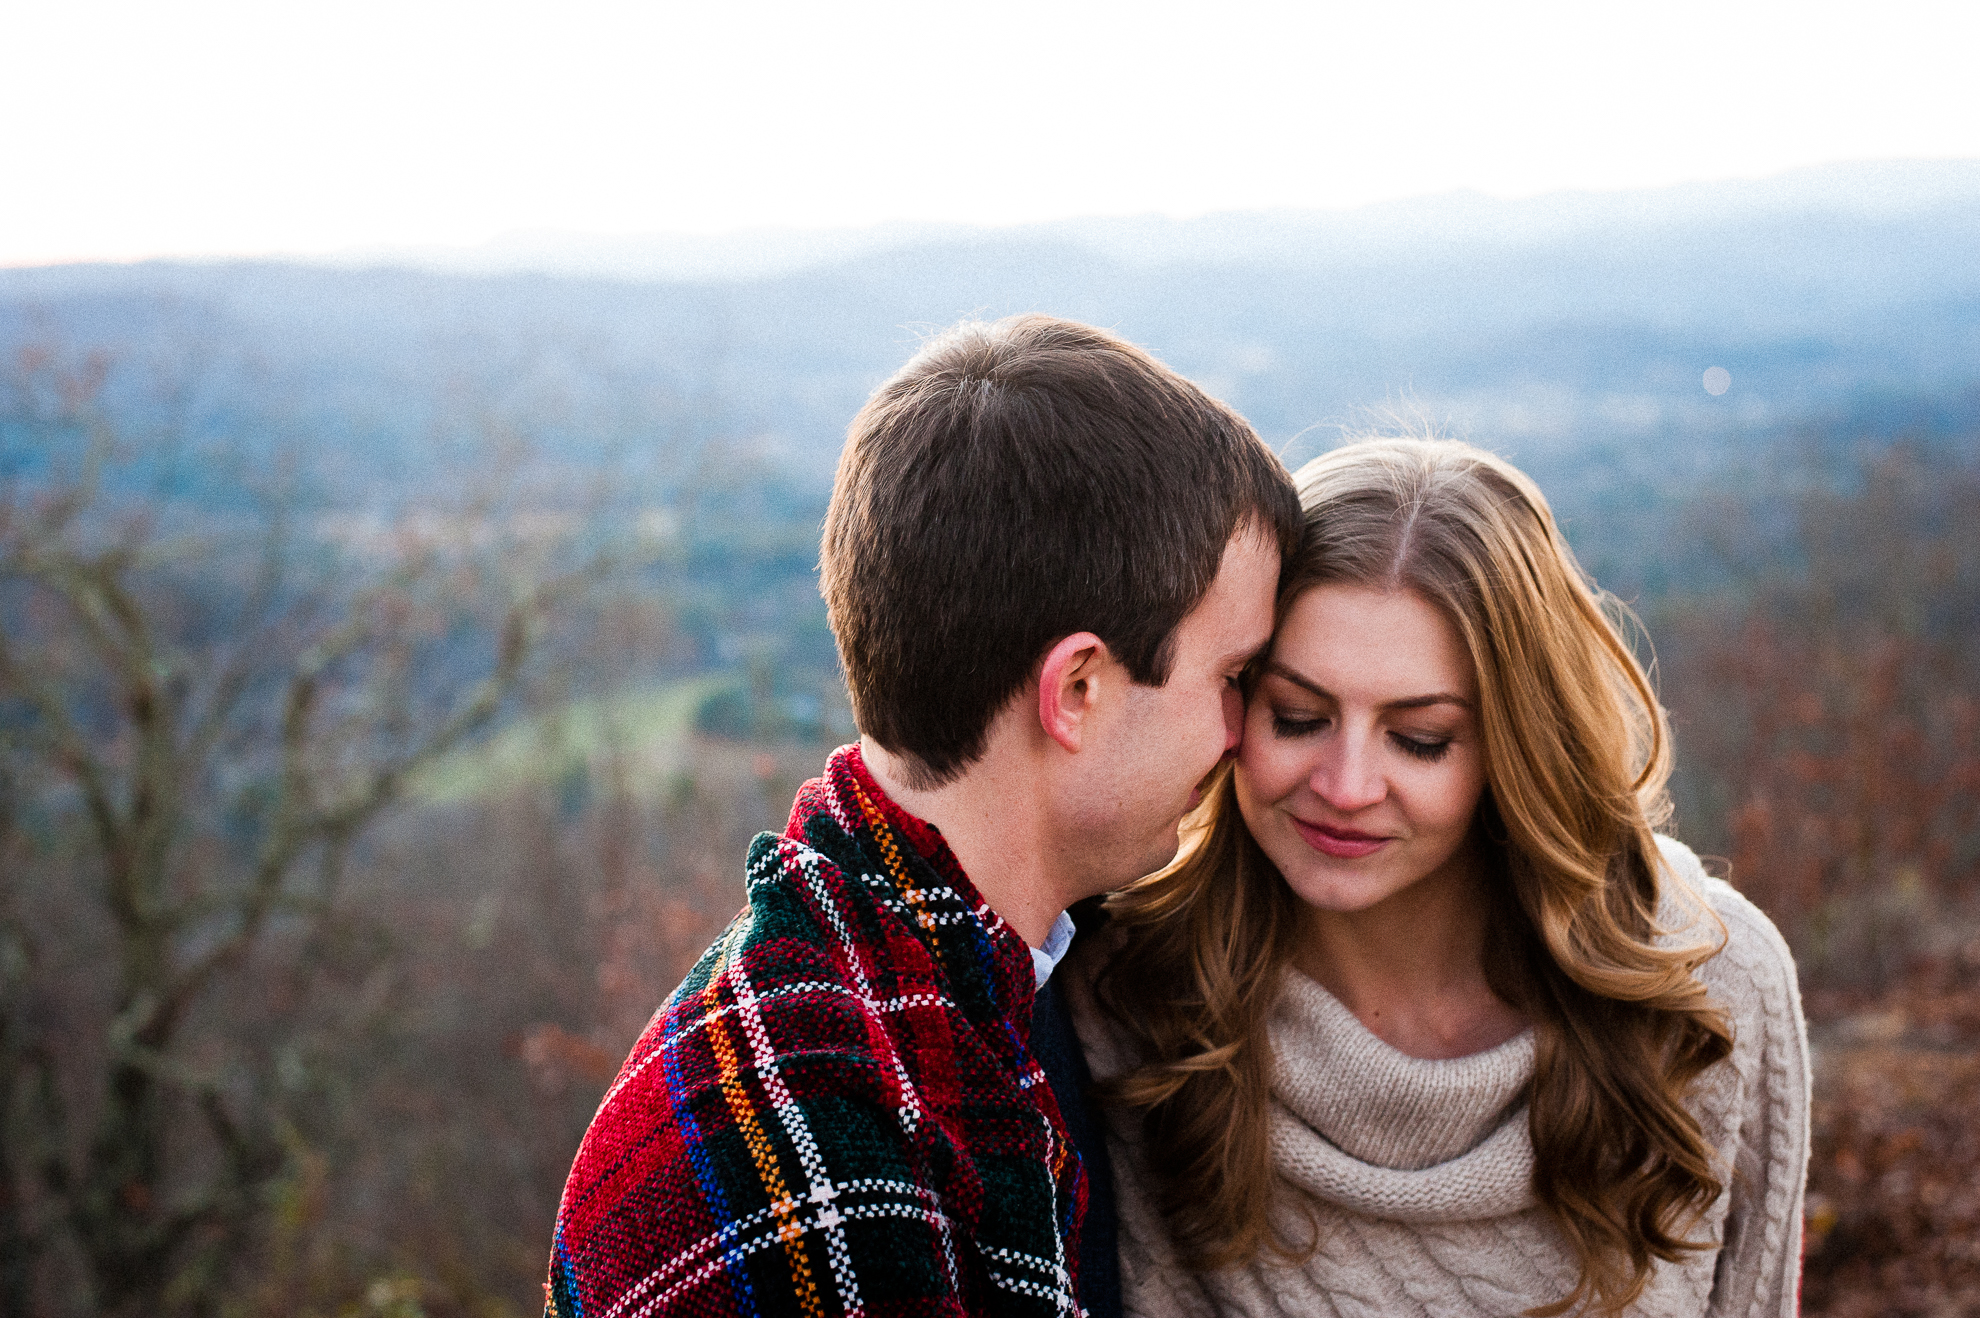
<point x="1288" y="723"/>
<point x="1418" y="747"/>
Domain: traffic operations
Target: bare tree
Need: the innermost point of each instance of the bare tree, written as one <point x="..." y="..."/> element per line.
<point x="203" y="714"/>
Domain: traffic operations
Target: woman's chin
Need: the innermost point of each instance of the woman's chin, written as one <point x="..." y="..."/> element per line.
<point x="1342" y="894"/>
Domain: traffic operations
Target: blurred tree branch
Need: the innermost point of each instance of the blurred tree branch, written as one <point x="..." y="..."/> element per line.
<point x="220" y="762"/>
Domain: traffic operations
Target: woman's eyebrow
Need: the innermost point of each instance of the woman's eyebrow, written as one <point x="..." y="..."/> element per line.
<point x="1423" y="702"/>
<point x="1278" y="669"/>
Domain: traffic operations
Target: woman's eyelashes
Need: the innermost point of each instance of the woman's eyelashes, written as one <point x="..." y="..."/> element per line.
<point x="1289" y="725"/>
<point x="1430" y="749"/>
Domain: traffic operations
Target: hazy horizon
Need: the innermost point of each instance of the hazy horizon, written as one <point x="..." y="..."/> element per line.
<point x="1862" y="188"/>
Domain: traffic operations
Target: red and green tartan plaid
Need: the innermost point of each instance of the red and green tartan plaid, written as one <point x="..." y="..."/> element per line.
<point x="837" y="1111"/>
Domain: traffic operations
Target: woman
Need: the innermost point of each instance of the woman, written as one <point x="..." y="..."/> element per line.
<point x="1426" y="1019"/>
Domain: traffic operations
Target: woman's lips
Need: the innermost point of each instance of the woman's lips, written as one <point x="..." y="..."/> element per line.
<point x="1341" y="843"/>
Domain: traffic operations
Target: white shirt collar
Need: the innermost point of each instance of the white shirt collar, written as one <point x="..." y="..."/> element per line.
<point x="1046" y="959"/>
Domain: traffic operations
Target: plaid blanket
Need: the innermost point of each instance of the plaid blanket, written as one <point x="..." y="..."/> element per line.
<point x="837" y="1112"/>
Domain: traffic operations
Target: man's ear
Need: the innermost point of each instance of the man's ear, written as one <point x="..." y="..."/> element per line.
<point x="1066" y="690"/>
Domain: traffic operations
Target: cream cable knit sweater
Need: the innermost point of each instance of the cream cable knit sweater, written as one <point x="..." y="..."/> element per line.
<point x="1419" y="1172"/>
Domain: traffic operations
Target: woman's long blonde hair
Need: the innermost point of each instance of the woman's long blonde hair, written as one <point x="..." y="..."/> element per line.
<point x="1577" y="753"/>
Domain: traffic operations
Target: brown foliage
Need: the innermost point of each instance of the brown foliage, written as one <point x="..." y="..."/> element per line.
<point x="1829" y="719"/>
<point x="1894" y="1202"/>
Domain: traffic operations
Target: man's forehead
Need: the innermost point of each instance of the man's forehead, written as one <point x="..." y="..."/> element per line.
<point x="1234" y="617"/>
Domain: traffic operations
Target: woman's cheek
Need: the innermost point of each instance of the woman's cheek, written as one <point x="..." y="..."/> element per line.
<point x="1459" y="793"/>
<point x="1277" y="768"/>
<point x="1255" y="750"/>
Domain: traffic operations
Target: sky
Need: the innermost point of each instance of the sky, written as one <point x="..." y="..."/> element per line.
<point x="202" y="127"/>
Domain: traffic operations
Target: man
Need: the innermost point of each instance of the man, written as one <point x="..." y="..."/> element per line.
<point x="1047" y="561"/>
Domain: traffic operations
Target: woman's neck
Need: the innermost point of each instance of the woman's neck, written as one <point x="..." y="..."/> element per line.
<point x="1412" y="968"/>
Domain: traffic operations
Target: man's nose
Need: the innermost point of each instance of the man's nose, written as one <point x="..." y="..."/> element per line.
<point x="1233" y="718"/>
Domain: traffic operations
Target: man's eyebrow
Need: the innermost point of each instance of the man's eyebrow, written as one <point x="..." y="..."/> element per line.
<point x="1278" y="669"/>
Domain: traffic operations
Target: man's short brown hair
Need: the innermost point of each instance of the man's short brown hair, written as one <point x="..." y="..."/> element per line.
<point x="1015" y="483"/>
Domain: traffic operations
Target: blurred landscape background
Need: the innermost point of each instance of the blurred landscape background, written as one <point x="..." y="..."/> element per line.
<point x="398" y="649"/>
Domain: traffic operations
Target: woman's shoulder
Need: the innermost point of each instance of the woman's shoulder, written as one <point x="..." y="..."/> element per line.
<point x="1753" y="967"/>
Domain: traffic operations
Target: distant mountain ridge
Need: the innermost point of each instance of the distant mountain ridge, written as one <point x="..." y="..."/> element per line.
<point x="1571" y="332"/>
<point x="1275" y="238"/>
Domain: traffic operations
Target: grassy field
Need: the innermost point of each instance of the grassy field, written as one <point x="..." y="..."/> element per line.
<point x="641" y="735"/>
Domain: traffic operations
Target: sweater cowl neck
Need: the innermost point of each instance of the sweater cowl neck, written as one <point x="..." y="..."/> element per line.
<point x="1407" y="1138"/>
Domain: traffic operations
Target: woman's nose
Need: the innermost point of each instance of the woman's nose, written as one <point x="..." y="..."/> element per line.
<point x="1346" y="775"/>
